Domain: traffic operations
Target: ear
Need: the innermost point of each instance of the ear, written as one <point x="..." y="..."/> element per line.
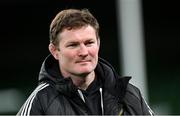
<point x="53" y="50"/>
<point x="98" y="42"/>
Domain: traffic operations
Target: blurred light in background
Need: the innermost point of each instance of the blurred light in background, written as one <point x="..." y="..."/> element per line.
<point x="131" y="42"/>
<point x="10" y="100"/>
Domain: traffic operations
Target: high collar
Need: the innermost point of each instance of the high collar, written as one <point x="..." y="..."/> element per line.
<point x="104" y="71"/>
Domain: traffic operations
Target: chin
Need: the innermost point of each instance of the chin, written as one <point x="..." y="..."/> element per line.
<point x="84" y="72"/>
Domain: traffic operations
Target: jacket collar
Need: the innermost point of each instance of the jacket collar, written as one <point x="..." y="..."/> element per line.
<point x="104" y="71"/>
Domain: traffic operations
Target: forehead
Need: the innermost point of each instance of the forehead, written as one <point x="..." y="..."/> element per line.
<point x="82" y="33"/>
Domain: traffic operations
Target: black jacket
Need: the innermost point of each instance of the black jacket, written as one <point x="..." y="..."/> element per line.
<point x="58" y="96"/>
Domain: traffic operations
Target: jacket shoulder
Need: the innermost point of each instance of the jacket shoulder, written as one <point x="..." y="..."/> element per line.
<point x="133" y="91"/>
<point x="133" y="97"/>
<point x="135" y="103"/>
<point x="47" y="95"/>
<point x="39" y="99"/>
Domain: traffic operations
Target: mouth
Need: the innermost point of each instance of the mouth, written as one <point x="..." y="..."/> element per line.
<point x="83" y="61"/>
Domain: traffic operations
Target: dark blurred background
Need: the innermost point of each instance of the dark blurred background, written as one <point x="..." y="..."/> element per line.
<point x="24" y="27"/>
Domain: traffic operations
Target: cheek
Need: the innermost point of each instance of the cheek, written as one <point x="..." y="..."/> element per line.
<point x="94" y="51"/>
<point x="67" y="55"/>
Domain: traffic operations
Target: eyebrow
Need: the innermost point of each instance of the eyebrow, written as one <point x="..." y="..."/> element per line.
<point x="74" y="41"/>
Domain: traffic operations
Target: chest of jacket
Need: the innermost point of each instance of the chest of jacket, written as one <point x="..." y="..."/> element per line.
<point x="64" y="105"/>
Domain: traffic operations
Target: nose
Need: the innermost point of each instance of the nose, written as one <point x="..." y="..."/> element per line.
<point x="83" y="51"/>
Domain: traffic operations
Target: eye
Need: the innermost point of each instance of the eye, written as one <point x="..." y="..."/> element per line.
<point x="72" y="45"/>
<point x="89" y="43"/>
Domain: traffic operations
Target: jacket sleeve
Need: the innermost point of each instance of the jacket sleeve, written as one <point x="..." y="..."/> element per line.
<point x="145" y="107"/>
<point x="135" y="102"/>
<point x="32" y="106"/>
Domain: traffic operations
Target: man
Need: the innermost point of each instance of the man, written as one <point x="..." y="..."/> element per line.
<point x="74" y="81"/>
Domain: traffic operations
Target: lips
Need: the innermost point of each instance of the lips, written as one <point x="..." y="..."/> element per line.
<point x="82" y="61"/>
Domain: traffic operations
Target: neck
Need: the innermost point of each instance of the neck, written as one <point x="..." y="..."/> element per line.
<point x="82" y="82"/>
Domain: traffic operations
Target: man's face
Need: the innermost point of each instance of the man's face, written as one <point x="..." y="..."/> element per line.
<point x="78" y="51"/>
